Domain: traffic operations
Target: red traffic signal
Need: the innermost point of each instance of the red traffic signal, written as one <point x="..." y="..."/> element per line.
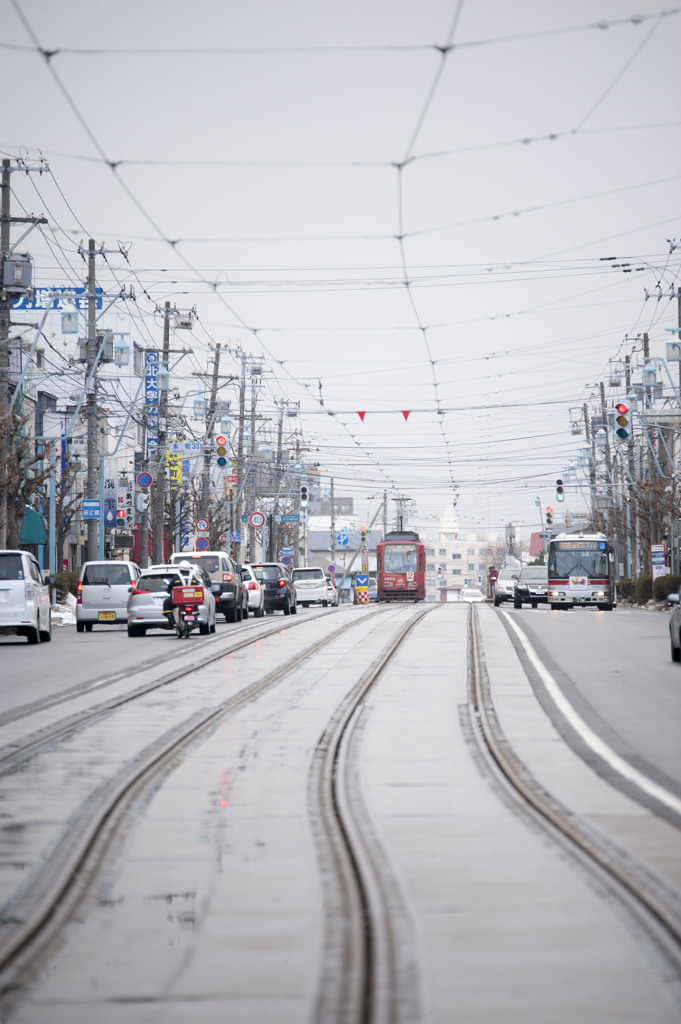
<point x="622" y="421"/>
<point x="221" y="441"/>
<point x="120" y="513"/>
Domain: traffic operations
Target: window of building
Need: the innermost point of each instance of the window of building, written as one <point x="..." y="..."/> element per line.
<point x="471" y="551"/>
<point x="457" y="554"/>
<point x="430" y="567"/>
<point x="430" y="551"/>
<point x="471" y="567"/>
<point x="456" y="572"/>
<point x="443" y="551"/>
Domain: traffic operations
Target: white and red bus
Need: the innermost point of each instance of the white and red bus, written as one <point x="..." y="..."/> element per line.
<point x="581" y="571"/>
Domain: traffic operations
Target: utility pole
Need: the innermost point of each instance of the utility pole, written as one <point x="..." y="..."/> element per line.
<point x="158" y="545"/>
<point x="333" y="524"/>
<point x="240" y="457"/>
<point x="6" y="221"/>
<point x="92" y="483"/>
<point x="252" y="487"/>
<point x="210" y="423"/>
<point x="385" y="514"/>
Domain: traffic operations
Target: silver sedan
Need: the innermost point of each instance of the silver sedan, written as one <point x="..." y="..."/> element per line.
<point x="148" y="602"/>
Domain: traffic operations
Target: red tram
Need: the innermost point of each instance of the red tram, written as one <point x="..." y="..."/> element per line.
<point x="401" y="567"/>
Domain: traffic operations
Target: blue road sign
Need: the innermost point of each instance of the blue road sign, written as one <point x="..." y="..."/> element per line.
<point x="342" y="540"/>
<point x="235" y="537"/>
<point x="287" y="551"/>
<point x="361" y="581"/>
<point x="286" y="559"/>
<point x="331" y="568"/>
<point x="202" y="543"/>
<point x="91" y="508"/>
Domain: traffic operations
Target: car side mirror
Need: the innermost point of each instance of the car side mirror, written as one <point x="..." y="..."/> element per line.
<point x="50" y="580"/>
<point x="238" y="568"/>
<point x="130" y="590"/>
<point x="673" y="599"/>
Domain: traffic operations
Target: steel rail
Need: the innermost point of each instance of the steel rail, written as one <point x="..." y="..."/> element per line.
<point x="33" y="918"/>
<point x="367" y="976"/>
<point x="18" y="752"/>
<point x="655" y="904"/>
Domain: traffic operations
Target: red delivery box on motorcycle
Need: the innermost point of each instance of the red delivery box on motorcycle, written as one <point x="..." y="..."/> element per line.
<point x="191" y="595"/>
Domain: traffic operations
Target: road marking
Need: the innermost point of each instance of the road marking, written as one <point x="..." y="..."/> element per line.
<point x="587" y="734"/>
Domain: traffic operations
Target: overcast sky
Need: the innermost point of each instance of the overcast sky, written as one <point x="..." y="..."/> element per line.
<point x="403" y="207"/>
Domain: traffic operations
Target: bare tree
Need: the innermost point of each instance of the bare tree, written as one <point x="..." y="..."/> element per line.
<point x="22" y="475"/>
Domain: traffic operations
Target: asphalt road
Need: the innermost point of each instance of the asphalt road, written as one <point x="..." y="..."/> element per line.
<point x="616" y="671"/>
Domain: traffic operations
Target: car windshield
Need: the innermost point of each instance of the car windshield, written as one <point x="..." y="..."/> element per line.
<point x="535" y="573"/>
<point x="267" y="572"/>
<point x="11" y="567"/>
<point x="106" y="575"/>
<point x="507" y="574"/>
<point x="308" y="574"/>
<point x="400" y="557"/>
<point x="211" y="563"/>
<point x="158" y="583"/>
<point x="574" y="560"/>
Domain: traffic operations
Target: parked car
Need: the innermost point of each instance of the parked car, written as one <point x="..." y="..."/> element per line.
<point x="280" y="591"/>
<point x="255" y="591"/>
<point x="373" y="590"/>
<point x="25" y="607"/>
<point x="505" y="586"/>
<point x="532" y="586"/>
<point x="472" y="594"/>
<point x="146" y="599"/>
<point x="102" y="594"/>
<point x="228" y="589"/>
<point x="310" y="586"/>
<point x="674" y="624"/>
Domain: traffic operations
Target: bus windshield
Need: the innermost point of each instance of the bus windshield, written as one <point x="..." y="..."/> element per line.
<point x="570" y="558"/>
<point x="400" y="557"/>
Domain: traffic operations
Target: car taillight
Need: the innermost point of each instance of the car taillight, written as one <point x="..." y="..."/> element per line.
<point x="28" y="588"/>
<point x="282" y="583"/>
<point x="79" y="594"/>
<point x="252" y="585"/>
<point x="140" y="590"/>
<point x="226" y="577"/>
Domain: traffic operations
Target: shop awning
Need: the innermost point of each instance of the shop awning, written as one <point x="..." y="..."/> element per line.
<point x="32" y="528"/>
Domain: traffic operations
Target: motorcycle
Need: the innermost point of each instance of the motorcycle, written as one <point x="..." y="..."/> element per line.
<point x="186" y="603"/>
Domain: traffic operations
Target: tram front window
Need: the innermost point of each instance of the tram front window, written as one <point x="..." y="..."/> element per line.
<point x="590" y="563"/>
<point x="400" y="558"/>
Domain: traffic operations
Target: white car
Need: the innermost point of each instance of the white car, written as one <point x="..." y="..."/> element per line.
<point x="255" y="591"/>
<point x="333" y="593"/>
<point x="25" y="607"/>
<point x="472" y="594"/>
<point x="310" y="584"/>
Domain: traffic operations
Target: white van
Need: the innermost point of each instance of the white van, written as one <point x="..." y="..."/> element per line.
<point x="310" y="584"/>
<point x="25" y="607"/>
<point x="103" y="592"/>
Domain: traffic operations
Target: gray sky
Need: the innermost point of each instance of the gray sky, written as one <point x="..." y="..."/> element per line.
<point x="310" y="158"/>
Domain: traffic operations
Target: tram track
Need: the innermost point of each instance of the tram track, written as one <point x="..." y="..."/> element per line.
<point x="32" y="919"/>
<point x="368" y="976"/>
<point x="16" y="753"/>
<point x="653" y="903"/>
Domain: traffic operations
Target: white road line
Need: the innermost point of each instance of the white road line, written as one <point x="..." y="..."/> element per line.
<point x="589" y="737"/>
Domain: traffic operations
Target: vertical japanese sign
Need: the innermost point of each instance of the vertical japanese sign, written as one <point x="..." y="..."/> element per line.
<point x="110" y="501"/>
<point x="174" y="464"/>
<point x="151" y="400"/>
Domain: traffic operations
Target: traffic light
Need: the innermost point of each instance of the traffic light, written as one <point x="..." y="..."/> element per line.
<point x="303" y="496"/>
<point x="549" y="515"/>
<point x="120" y="517"/>
<point x="363" y="534"/>
<point x="559" y="491"/>
<point x="622" y="421"/>
<point x="440" y="573"/>
<point x="221" y="442"/>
